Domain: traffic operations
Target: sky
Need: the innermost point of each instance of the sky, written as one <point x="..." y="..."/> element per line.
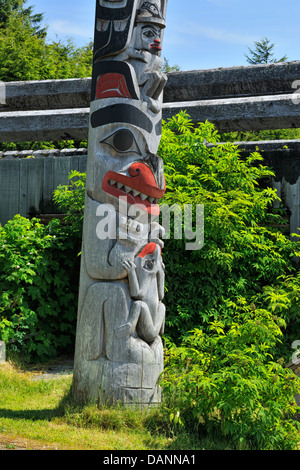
<point x="200" y="34"/>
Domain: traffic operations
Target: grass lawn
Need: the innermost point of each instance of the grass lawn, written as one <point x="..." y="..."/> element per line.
<point x="41" y="414"/>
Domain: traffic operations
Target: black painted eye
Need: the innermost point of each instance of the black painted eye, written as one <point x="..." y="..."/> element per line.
<point x="149" y="34"/>
<point x="149" y="264"/>
<point x="122" y="141"/>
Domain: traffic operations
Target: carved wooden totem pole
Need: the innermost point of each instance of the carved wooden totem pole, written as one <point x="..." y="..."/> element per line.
<point x="119" y="352"/>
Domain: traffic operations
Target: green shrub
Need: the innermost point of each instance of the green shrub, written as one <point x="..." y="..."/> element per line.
<point x="70" y="199"/>
<point x="243" y="257"/>
<point x="226" y="382"/>
<point x="233" y="306"/>
<point x="38" y="287"/>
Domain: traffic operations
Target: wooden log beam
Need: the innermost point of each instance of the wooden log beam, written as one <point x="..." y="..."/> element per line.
<point x="47" y="94"/>
<point x="46" y="125"/>
<point x="241" y="114"/>
<point x="249" y="80"/>
<point x="232" y="114"/>
<point x="252" y="80"/>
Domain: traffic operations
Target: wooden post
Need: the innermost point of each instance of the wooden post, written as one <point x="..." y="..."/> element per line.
<point x="119" y="352"/>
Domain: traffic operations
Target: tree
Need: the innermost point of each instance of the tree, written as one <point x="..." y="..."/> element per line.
<point x="263" y="53"/>
<point x="26" y="55"/>
<point x="34" y="20"/>
<point x="166" y="67"/>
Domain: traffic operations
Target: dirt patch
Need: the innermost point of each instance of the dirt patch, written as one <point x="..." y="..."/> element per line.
<point x="54" y="369"/>
<point x="17" y="443"/>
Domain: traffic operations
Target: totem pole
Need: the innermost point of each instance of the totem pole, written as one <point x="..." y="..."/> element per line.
<point x="118" y="351"/>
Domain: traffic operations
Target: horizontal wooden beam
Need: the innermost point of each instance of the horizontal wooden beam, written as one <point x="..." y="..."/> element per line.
<point x="241" y="114"/>
<point x="232" y="114"/>
<point x="249" y="80"/>
<point x="47" y="94"/>
<point x="195" y="85"/>
<point x="59" y="124"/>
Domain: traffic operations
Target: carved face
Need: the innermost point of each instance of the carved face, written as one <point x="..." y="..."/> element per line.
<point x="149" y="261"/>
<point x="124" y="167"/>
<point x="148" y="38"/>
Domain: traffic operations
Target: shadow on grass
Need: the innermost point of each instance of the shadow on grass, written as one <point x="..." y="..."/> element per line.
<point x="154" y="426"/>
<point x="40" y="414"/>
<point x="32" y="415"/>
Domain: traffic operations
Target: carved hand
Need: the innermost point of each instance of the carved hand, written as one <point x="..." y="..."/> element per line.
<point x="123" y="330"/>
<point x="128" y="265"/>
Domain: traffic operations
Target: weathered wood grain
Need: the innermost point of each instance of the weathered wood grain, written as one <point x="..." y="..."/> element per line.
<point x="230" y="114"/>
<point x="193" y="85"/>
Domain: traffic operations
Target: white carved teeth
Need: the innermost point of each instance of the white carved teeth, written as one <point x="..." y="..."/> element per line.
<point x="134" y="192"/>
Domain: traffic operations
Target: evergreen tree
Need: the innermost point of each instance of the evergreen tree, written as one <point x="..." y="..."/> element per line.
<point x="263" y="53"/>
<point x="26" y="55"/>
<point x="166" y="67"/>
<point x="34" y="20"/>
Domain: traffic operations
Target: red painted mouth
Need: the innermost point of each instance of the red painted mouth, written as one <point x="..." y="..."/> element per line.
<point x="156" y="45"/>
<point x="139" y="188"/>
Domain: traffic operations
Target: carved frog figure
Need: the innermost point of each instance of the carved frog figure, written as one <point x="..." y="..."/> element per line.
<point x="146" y="286"/>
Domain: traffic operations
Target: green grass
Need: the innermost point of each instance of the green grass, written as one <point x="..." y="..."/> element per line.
<point x="43" y="412"/>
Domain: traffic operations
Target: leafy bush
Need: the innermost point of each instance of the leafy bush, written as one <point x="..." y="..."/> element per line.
<point x="225" y="382"/>
<point x="70" y="199"/>
<point x="38" y="287"/>
<point x="229" y="303"/>
<point x="232" y="307"/>
<point x="26" y="55"/>
<point x="243" y="257"/>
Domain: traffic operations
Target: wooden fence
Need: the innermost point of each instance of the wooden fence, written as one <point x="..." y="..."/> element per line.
<point x="235" y="99"/>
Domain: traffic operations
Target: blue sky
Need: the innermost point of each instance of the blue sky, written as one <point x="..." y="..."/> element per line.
<point x="200" y="34"/>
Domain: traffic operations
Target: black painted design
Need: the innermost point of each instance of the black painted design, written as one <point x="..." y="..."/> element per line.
<point x="112" y="28"/>
<point x="158" y="128"/>
<point x="123" y="141"/>
<point x="124" y="113"/>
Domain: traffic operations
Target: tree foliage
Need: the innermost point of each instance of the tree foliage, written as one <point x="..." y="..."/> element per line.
<point x="25" y="53"/>
<point x="233" y="306"/>
<point x="263" y="53"/>
<point x="12" y="7"/>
